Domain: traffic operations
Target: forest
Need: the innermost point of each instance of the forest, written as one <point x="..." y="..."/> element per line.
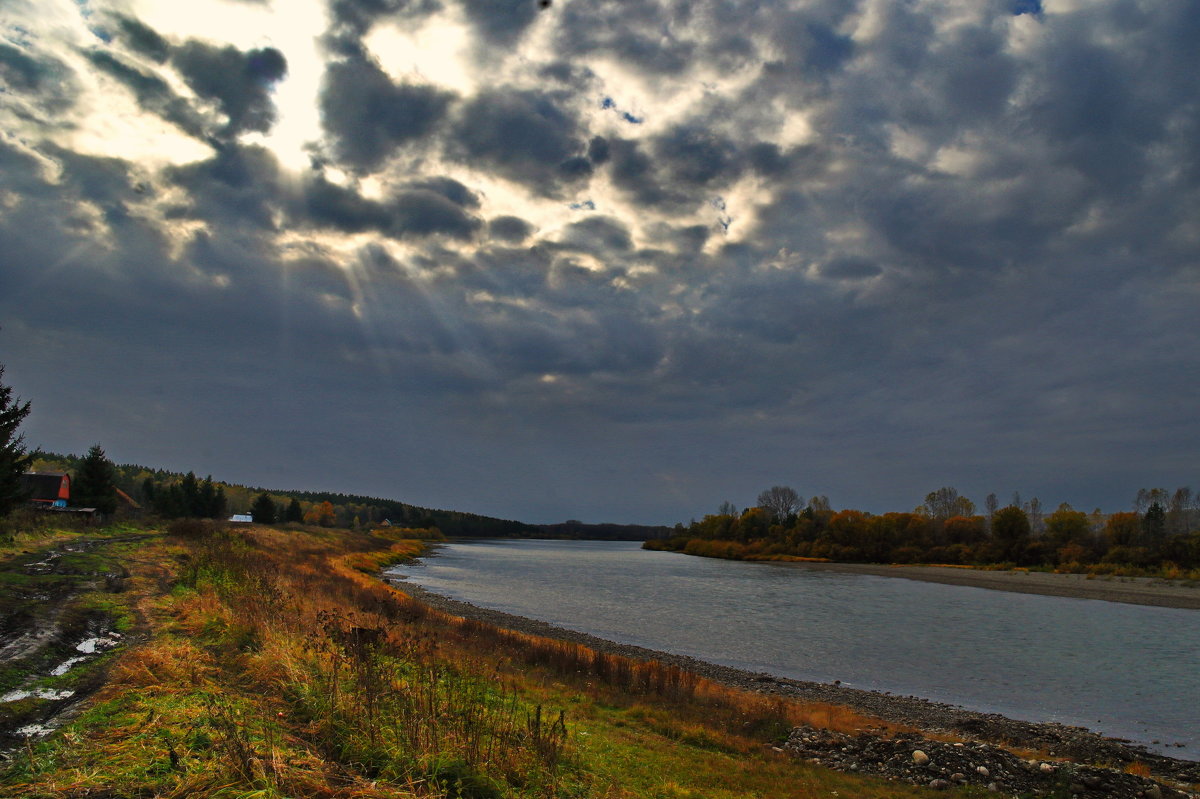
<point x="1160" y="535"/>
<point x="172" y="495"/>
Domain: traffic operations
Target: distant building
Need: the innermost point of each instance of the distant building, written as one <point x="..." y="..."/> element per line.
<point x="241" y="518"/>
<point x="129" y="501"/>
<point x="47" y="489"/>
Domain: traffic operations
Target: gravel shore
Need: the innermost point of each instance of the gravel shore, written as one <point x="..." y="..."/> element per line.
<point x="1056" y="740"/>
<point x="1130" y="590"/>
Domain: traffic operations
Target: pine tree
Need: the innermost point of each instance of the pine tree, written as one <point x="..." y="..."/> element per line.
<point x="263" y="510"/>
<point x="14" y="460"/>
<point x="94" y="484"/>
<point x="294" y="512"/>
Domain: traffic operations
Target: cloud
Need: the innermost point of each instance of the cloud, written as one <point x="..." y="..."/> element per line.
<point x="510" y="229"/>
<point x="153" y="94"/>
<point x="415" y="211"/>
<point x="240" y="82"/>
<point x="843" y="235"/>
<point x="527" y="136"/>
<point x="849" y="268"/>
<point x="38" y="84"/>
<point x="502" y="22"/>
<point x="368" y="116"/>
<point x="142" y="38"/>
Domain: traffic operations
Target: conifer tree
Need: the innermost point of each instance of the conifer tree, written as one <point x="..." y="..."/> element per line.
<point x="94" y="484"/>
<point x="263" y="510"/>
<point x="294" y="512"/>
<point x="14" y="460"/>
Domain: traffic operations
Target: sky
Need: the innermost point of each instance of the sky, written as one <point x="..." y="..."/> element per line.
<point x="609" y="260"/>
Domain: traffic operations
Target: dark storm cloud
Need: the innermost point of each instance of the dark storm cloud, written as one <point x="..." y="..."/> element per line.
<point x="598" y="234"/>
<point x="449" y="188"/>
<point x="638" y="34"/>
<point x="693" y="154"/>
<point x="510" y="229"/>
<point x="142" y="38"/>
<point x="528" y="136"/>
<point x="677" y="170"/>
<point x="368" y="117"/>
<point x="24" y="72"/>
<point x="422" y="212"/>
<point x="39" y="79"/>
<point x="240" y="82"/>
<point x="240" y="186"/>
<point x="849" y="267"/>
<point x="415" y="211"/>
<point x="633" y="170"/>
<point x="502" y="22"/>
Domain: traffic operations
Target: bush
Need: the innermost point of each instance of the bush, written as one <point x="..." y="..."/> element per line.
<point x="194" y="529"/>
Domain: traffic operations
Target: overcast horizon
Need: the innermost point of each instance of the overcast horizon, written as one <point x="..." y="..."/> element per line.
<point x="607" y="260"/>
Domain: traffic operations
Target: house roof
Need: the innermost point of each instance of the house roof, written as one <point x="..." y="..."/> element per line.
<point x="46" y="486"/>
<point x="128" y="500"/>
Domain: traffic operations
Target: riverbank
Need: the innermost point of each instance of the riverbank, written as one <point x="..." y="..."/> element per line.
<point x="1129" y="590"/>
<point x="930" y="718"/>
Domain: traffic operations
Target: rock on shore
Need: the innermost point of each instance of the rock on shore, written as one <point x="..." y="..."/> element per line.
<point x="919" y="760"/>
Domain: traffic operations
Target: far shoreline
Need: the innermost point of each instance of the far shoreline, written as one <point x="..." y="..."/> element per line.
<point x="1151" y="591"/>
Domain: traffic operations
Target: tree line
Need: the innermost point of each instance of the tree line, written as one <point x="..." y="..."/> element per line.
<point x="1161" y="534"/>
<point x="174" y="495"/>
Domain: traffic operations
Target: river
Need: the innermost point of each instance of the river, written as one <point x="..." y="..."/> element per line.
<point x="1127" y="671"/>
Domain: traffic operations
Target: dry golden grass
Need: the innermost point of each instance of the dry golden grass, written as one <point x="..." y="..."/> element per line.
<point x="280" y="665"/>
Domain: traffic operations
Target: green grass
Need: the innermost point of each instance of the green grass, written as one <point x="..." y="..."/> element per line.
<point x="277" y="665"/>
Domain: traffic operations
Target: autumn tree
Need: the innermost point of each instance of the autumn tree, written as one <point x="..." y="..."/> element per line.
<point x="963" y="530"/>
<point x="94" y="484"/>
<point x="1010" y="531"/>
<point x="1069" y="533"/>
<point x="322" y="514"/>
<point x="263" y="509"/>
<point x="1123" y="530"/>
<point x="779" y="502"/>
<point x="940" y="505"/>
<point x="14" y="460"/>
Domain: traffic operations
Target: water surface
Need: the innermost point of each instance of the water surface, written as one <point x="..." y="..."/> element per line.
<point x="1128" y="671"/>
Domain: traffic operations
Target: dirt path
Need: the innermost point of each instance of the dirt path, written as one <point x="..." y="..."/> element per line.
<point x="49" y="635"/>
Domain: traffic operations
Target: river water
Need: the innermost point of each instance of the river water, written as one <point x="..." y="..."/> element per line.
<point x="1124" y="670"/>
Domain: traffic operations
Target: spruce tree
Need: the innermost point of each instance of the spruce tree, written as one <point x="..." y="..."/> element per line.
<point x="94" y="484"/>
<point x="294" y="513"/>
<point x="263" y="510"/>
<point x="14" y="460"/>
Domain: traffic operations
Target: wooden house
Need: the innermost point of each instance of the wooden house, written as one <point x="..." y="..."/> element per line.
<point x="47" y="489"/>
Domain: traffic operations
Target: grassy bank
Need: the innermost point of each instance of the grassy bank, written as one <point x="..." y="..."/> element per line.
<point x="272" y="663"/>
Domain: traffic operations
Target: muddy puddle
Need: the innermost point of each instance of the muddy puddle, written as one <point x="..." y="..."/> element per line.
<point x="50" y="631"/>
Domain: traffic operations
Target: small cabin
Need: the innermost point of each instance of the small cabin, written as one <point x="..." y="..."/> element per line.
<point x="241" y="518"/>
<point x="47" y="489"/>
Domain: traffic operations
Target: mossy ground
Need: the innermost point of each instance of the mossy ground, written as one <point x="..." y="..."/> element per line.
<point x="274" y="663"/>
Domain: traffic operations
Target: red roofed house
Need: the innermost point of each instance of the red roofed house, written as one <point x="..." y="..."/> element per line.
<point x="48" y="489"/>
